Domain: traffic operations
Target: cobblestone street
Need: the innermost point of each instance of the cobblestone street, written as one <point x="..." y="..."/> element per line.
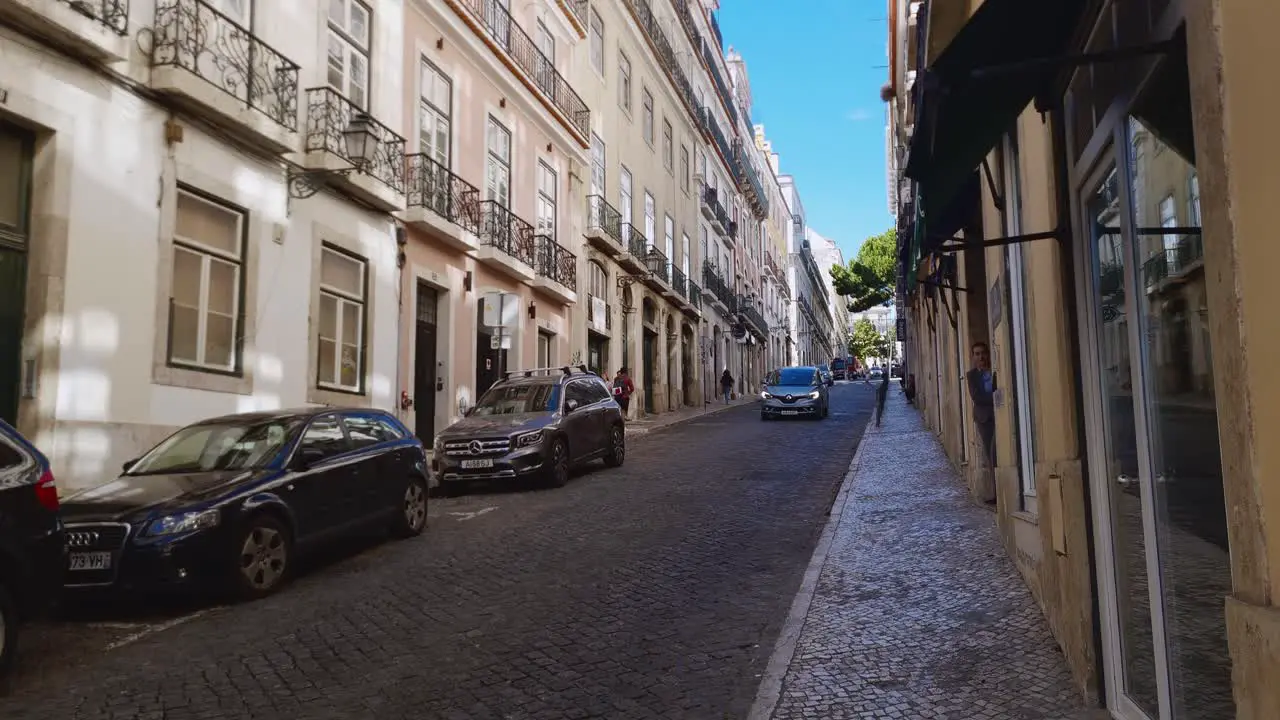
<point x="914" y="610"/>
<point x="653" y="591"/>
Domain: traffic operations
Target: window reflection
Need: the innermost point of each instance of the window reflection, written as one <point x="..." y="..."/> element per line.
<point x="1190" y="511"/>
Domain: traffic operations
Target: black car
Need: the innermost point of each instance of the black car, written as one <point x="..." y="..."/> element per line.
<point x="226" y="502"/>
<point x="536" y="424"/>
<point x="31" y="542"/>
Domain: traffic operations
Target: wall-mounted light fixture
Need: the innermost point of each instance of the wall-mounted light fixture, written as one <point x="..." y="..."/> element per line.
<point x="548" y="147"/>
<point x="466" y="282"/>
<point x="360" y="138"/>
<point x="533" y="310"/>
<point x="402" y="239"/>
<point x="439" y="43"/>
<point x="502" y="103"/>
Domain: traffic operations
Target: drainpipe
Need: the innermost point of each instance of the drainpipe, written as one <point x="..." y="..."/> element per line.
<point x="402" y="239"/>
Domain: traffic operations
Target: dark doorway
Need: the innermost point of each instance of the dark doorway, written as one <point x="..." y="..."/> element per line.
<point x="426" y="373"/>
<point x="650" y="360"/>
<point x="490" y="361"/>
<point x="598" y="354"/>
<point x="16" y="148"/>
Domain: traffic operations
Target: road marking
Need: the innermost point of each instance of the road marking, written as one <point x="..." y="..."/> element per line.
<point x="154" y="629"/>
<point x="463" y="516"/>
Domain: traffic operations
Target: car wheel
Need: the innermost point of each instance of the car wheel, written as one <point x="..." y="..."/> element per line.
<point x="412" y="518"/>
<point x="617" y="452"/>
<point x="8" y="631"/>
<point x="558" y="464"/>
<point x="264" y="553"/>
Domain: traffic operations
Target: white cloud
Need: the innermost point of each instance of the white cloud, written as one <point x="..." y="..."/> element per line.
<point x="858" y="115"/>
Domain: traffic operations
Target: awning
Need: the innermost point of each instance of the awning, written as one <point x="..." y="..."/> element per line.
<point x="963" y="111"/>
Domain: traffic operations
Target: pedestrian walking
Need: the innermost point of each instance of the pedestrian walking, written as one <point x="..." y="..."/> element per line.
<point x="726" y="385"/>
<point x="882" y="393"/>
<point x="982" y="387"/>
<point x="623" y="388"/>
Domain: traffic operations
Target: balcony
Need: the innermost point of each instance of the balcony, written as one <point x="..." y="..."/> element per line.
<point x="722" y="88"/>
<point x="441" y="203"/>
<point x="539" y="73"/>
<point x="381" y="181"/>
<point x="715" y="288"/>
<point x="662" y="50"/>
<point x="659" y="268"/>
<point x="637" y="249"/>
<point x="753" y="317"/>
<point x="712" y="127"/>
<point x="556" y="272"/>
<point x="731" y="230"/>
<point x="207" y="62"/>
<point x="604" y="226"/>
<point x="506" y="242"/>
<point x="713" y="211"/>
<point x="749" y="181"/>
<point x="576" y="12"/>
<point x="599" y="314"/>
<point x="1173" y="263"/>
<point x="679" y="282"/>
<point x="96" y="29"/>
<point x="695" y="300"/>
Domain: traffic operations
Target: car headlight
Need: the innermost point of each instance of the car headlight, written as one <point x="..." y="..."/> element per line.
<point x="765" y="395"/>
<point x="184" y="523"/>
<point x="529" y="438"/>
<point x="815" y="395"/>
<point x="437" y="443"/>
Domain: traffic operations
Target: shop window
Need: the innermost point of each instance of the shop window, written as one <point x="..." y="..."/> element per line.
<point x="1017" y="299"/>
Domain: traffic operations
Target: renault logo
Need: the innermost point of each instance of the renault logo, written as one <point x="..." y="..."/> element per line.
<point x="474" y="447"/>
<point x="82" y="539"/>
<point x="790" y="398"/>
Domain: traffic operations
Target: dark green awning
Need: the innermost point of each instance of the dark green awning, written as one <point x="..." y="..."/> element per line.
<point x="978" y="86"/>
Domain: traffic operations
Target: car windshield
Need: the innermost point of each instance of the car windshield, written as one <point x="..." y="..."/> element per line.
<point x="231" y="445"/>
<point x="793" y="376"/>
<point x="517" y="399"/>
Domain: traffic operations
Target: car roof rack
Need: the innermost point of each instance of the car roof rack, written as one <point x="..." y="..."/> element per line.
<point x="563" y="369"/>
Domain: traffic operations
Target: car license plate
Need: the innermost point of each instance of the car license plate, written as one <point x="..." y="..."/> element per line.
<point x="475" y="464"/>
<point x="790" y="412"/>
<point x="90" y="561"/>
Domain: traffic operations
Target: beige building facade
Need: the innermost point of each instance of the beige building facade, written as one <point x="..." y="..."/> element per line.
<point x="1105" y="237"/>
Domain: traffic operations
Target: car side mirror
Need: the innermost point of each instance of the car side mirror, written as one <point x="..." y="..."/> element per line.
<point x="128" y="464"/>
<point x="308" y="457"/>
<point x="570" y="406"/>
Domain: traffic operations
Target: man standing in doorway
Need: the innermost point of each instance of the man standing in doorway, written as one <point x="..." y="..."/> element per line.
<point x="982" y="386"/>
<point x="623" y="388"/>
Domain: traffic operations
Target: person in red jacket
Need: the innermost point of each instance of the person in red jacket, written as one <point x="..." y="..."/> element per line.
<point x="622" y="389"/>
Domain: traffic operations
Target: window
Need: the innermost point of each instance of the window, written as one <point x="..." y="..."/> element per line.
<point x="349" y="50"/>
<point x="434" y="114"/>
<point x="701" y="165"/>
<point x="624" y="81"/>
<point x="597" y="165"/>
<point x="597" y="280"/>
<point x="240" y="11"/>
<point x="668" y="146"/>
<point x="497" y="184"/>
<point x="684" y="168"/>
<point x="625" y="206"/>
<point x="365" y="430"/>
<point x="1193" y="200"/>
<point x="10" y="457"/>
<point x="545" y="357"/>
<point x="669" y="228"/>
<point x="546" y="210"/>
<point x="1017" y="298"/>
<point x="204" y="305"/>
<point x="684" y="240"/>
<point x="596" y="33"/>
<point x="325" y="434"/>
<point x="706" y="243"/>
<point x="545" y="41"/>
<point x="1168" y="219"/>
<point x="649" y="215"/>
<point x="646" y="117"/>
<point x="341" y="331"/>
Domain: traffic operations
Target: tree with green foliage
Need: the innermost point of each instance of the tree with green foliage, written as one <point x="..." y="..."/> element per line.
<point x="867" y="342"/>
<point x="869" y="279"/>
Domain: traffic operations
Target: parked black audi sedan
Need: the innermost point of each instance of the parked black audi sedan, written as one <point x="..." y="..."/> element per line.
<point x="31" y="542"/>
<point x="227" y="502"/>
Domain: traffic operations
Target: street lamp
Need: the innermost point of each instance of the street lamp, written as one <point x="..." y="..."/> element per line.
<point x="360" y="140"/>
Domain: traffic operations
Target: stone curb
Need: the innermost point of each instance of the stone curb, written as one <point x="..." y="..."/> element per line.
<point x="784" y="649"/>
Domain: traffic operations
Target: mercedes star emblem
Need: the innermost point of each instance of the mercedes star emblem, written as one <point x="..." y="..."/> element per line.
<point x="474" y="447"/>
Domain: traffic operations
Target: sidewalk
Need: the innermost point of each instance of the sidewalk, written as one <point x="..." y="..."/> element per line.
<point x="910" y="608"/>
<point x="649" y="423"/>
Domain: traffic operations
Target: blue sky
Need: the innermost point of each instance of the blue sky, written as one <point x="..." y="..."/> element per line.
<point x="815" y="77"/>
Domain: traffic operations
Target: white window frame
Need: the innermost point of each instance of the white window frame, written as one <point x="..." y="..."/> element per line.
<point x="646" y="115"/>
<point x="1193" y="200"/>
<point x="668" y="146"/>
<point x="669" y="235"/>
<point x="544" y="41"/>
<point x="496" y="160"/>
<point x="208" y="255"/>
<point x="352" y="46"/>
<point x="624" y="82"/>
<point x="595" y="40"/>
<point x="684" y="168"/>
<point x="599" y="153"/>
<point x="684" y="238"/>
<point x="1168" y="210"/>
<point x="546" y="340"/>
<point x="1025" y="425"/>
<point x="343" y="298"/>
<point x="650" y="217"/>
<point x="546" y="210"/>
<point x="626" y="196"/>
<point x="430" y="111"/>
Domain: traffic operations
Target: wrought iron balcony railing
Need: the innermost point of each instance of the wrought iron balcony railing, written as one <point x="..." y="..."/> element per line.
<point x="556" y="263"/>
<point x="541" y="71"/>
<point x="714" y="284"/>
<point x="695" y="295"/>
<point x="679" y="282"/>
<point x="667" y="57"/>
<point x="749" y="180"/>
<point x="722" y="87"/>
<point x="433" y="186"/>
<point x="579" y="8"/>
<point x="604" y="217"/>
<point x="501" y="229"/>
<point x="656" y="261"/>
<point x="713" y="129"/>
<point x="752" y="314"/>
<point x="637" y="243"/>
<point x="711" y="196"/>
<point x="111" y="14"/>
<point x="195" y="36"/>
<point x="591" y="313"/>
<point x="731" y="229"/>
<point x="329" y="114"/>
<point x="1173" y="261"/>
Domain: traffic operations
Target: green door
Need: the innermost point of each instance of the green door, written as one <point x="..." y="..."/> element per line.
<point x="15" y="184"/>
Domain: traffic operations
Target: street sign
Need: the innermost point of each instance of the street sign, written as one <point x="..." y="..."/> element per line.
<point x="500" y="309"/>
<point x="499" y="342"/>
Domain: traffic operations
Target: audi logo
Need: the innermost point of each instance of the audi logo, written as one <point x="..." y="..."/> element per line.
<point x="82" y="539"/>
<point x="474" y="448"/>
